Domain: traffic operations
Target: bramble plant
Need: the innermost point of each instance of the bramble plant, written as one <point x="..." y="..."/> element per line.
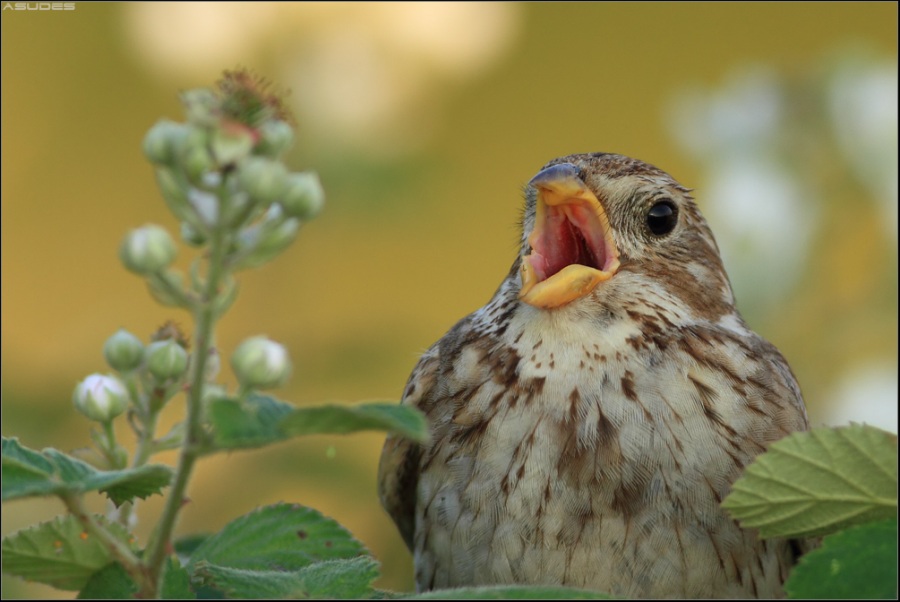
<point x="221" y="175"/>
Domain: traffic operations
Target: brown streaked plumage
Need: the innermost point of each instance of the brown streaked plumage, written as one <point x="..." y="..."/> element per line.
<point x="587" y="421"/>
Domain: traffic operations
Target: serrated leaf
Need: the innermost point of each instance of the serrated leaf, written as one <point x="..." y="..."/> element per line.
<point x="261" y="420"/>
<point x="512" y="592"/>
<point x="280" y="537"/>
<point x="58" y="552"/>
<point x="859" y="563"/>
<point x="341" y="579"/>
<point x="249" y="423"/>
<point x="176" y="583"/>
<point x="341" y="419"/>
<point x="29" y="473"/>
<point x="817" y="482"/>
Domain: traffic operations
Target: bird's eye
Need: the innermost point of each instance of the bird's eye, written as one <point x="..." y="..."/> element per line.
<point x="662" y="217"/>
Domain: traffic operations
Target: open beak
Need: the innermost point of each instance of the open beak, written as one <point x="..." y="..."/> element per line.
<point x="572" y="249"/>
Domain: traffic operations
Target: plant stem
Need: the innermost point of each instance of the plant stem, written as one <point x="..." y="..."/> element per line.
<point x="120" y="551"/>
<point x="204" y="316"/>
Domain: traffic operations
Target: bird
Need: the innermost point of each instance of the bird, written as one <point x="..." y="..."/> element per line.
<point x="587" y="422"/>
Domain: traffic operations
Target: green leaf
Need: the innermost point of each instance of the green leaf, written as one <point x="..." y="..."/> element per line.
<point x="859" y="563"/>
<point x="58" y="552"/>
<point x="261" y="420"/>
<point x="109" y="583"/>
<point x="176" y="583"/>
<point x="114" y="583"/>
<point x="341" y="578"/>
<point x="281" y="537"/>
<point x="818" y="482"/>
<point x="341" y="419"/>
<point x="511" y="592"/>
<point x="251" y="423"/>
<point x="29" y="473"/>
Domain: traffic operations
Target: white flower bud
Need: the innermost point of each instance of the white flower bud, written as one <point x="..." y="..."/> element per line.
<point x="147" y="250"/>
<point x="260" y="363"/>
<point x="303" y="196"/>
<point x="123" y="351"/>
<point x="100" y="397"/>
<point x="166" y="360"/>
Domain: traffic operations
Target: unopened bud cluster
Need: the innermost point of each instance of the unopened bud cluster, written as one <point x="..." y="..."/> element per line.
<point x="221" y="172"/>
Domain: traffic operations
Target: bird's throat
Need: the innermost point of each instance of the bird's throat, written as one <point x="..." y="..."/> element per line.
<point x="572" y="250"/>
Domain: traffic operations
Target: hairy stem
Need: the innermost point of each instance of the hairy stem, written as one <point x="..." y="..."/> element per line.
<point x="204" y="316"/>
<point x="120" y="551"/>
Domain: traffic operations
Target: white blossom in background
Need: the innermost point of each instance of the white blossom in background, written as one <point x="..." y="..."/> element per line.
<point x="862" y="99"/>
<point x="867" y="393"/>
<point x="368" y="76"/>
<point x="762" y="215"/>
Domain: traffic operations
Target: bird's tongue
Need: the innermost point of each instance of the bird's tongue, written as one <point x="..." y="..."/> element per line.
<point x="570" y="235"/>
<point x="572" y="250"/>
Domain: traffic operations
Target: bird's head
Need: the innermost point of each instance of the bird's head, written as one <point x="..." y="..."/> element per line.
<point x="602" y="228"/>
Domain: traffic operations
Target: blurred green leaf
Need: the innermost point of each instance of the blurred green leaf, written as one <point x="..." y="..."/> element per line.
<point x="341" y="419"/>
<point x="176" y="582"/>
<point x="341" y="578"/>
<point x="261" y="420"/>
<point x="58" y="552"/>
<point x="859" y="563"/>
<point x="282" y="537"/>
<point x="818" y="482"/>
<point x="50" y="472"/>
<point x="511" y="592"/>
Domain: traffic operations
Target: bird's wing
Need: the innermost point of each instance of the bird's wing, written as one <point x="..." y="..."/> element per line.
<point x="398" y="470"/>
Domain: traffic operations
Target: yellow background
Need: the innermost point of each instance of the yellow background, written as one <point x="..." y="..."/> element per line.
<point x="407" y="244"/>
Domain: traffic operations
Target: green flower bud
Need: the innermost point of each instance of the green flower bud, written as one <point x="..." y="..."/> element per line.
<point x="263" y="179"/>
<point x="194" y="156"/>
<point x="231" y="142"/>
<point x="123" y="351"/>
<point x="191" y="235"/>
<point x="275" y="137"/>
<point x="163" y="140"/>
<point x="201" y="106"/>
<point x="174" y="186"/>
<point x="260" y="363"/>
<point x="147" y="250"/>
<point x="303" y="196"/>
<point x="166" y="360"/>
<point x="100" y="397"/>
<point x="168" y="288"/>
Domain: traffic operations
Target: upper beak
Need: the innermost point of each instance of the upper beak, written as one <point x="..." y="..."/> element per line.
<point x="572" y="248"/>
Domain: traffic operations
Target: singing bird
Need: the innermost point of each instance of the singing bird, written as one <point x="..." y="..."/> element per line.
<point x="588" y="421"/>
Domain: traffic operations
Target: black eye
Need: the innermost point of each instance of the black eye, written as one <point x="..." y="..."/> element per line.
<point x="662" y="217"/>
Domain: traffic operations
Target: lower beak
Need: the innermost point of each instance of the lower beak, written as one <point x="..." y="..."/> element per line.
<point x="572" y="249"/>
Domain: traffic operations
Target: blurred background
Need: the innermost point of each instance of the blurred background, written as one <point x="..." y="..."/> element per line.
<point x="424" y="121"/>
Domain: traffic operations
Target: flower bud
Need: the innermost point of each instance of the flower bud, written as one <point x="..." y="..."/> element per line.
<point x="201" y="106"/>
<point x="194" y="156"/>
<point x="100" y="397"/>
<point x="123" y="351"/>
<point x="231" y="142"/>
<point x="192" y="235"/>
<point x="275" y="137"/>
<point x="166" y="360"/>
<point x="162" y="141"/>
<point x="263" y="179"/>
<point x="260" y="363"/>
<point x="147" y="250"/>
<point x="303" y="195"/>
